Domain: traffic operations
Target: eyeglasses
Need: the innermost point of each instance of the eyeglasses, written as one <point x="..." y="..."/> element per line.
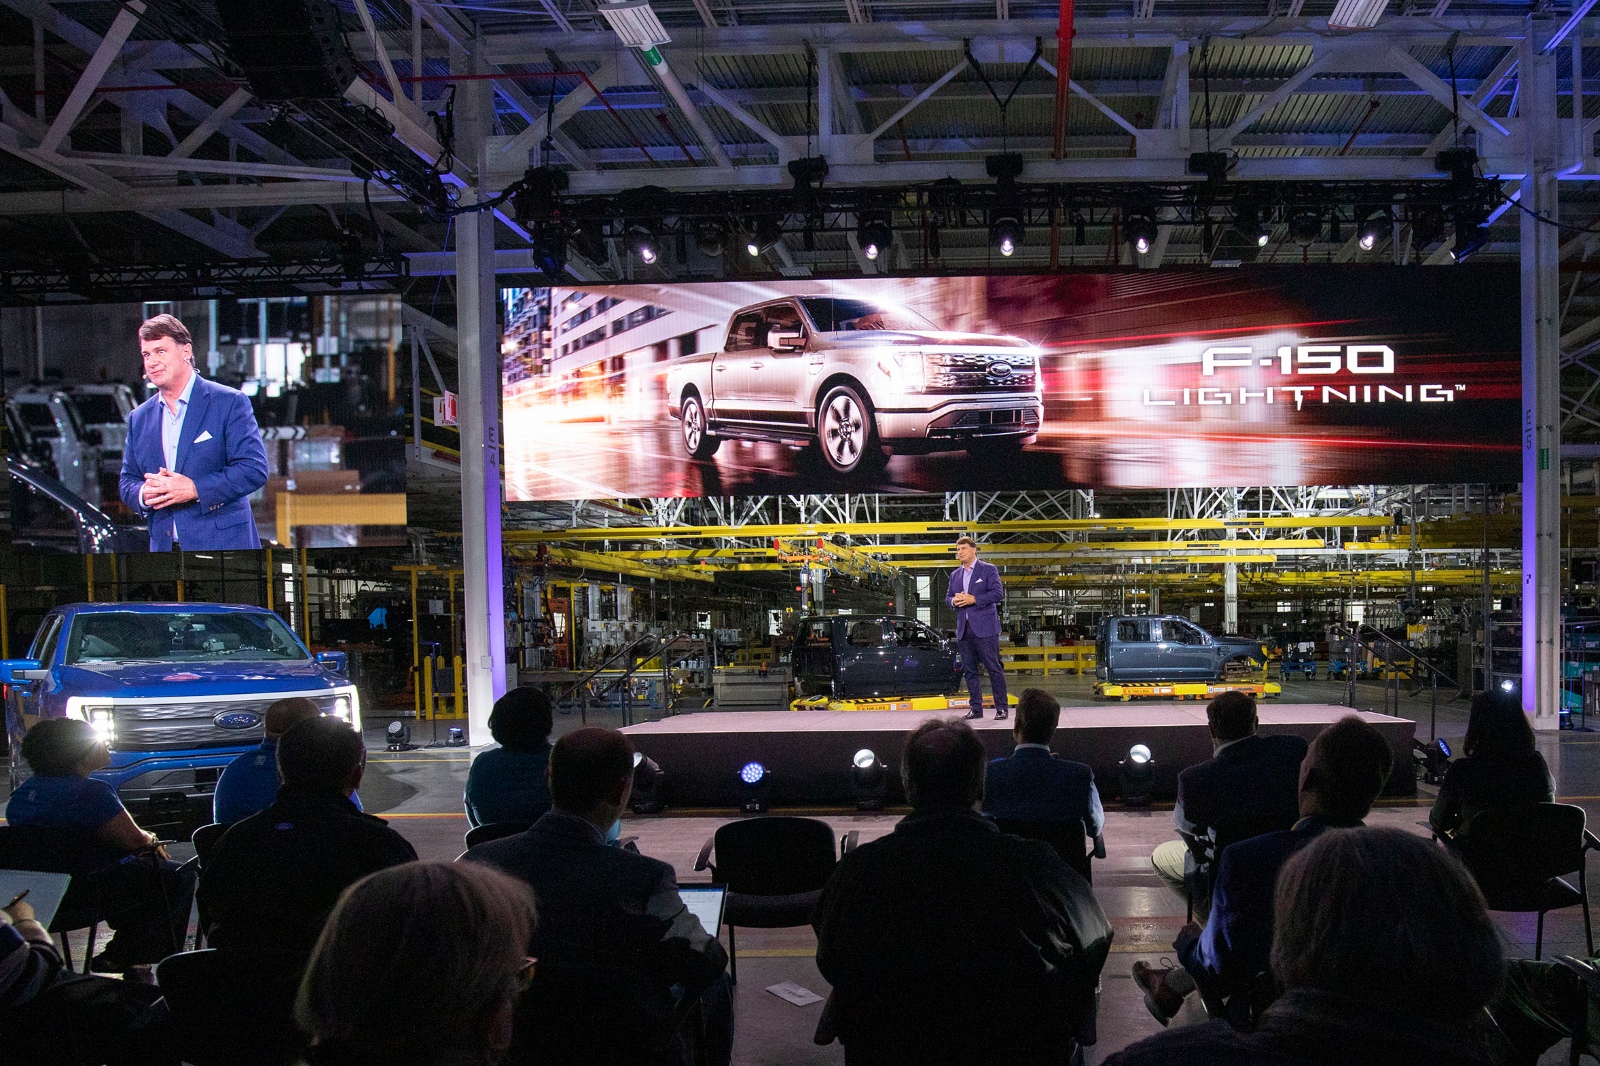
<point x="525" y="972"/>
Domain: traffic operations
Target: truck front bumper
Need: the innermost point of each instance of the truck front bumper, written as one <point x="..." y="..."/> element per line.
<point x="143" y="779"/>
<point x="951" y="425"/>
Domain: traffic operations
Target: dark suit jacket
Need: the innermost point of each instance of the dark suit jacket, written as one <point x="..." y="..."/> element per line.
<point x="981" y="619"/>
<point x="1032" y="785"/>
<point x="1237" y="942"/>
<point x="274" y="877"/>
<point x="949" y="941"/>
<point x="220" y="450"/>
<point x="614" y="938"/>
<point x="1252" y="782"/>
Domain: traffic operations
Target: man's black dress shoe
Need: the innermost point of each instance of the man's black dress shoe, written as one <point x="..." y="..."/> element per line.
<point x="974" y="714"/>
<point x="999" y="716"/>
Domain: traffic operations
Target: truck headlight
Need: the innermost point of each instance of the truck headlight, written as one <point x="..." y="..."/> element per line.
<point x="906" y="370"/>
<point x="347" y="708"/>
<point x="104" y="721"/>
<point x="341" y="708"/>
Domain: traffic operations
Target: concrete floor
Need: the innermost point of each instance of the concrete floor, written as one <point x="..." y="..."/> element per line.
<point x="420" y="792"/>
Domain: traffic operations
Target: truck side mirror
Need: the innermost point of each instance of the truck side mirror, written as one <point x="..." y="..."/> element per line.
<point x="337" y="661"/>
<point x="19" y="671"/>
<point x="781" y="340"/>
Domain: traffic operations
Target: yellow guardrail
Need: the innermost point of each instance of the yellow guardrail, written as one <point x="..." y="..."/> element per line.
<point x="1070" y="658"/>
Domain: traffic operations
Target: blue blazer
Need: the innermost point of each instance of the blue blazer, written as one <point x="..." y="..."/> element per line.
<point x="226" y="466"/>
<point x="982" y="619"/>
<point x="1032" y="785"/>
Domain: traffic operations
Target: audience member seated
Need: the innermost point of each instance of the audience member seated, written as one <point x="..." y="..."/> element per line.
<point x="48" y="1015"/>
<point x="949" y="941"/>
<point x="1343" y="773"/>
<point x="1248" y="786"/>
<point x="419" y="965"/>
<point x="1535" y="1009"/>
<point x="507" y="784"/>
<point x="626" y="973"/>
<point x="1032" y="784"/>
<point x="1498" y="766"/>
<point x="249" y="784"/>
<point x="272" y="878"/>
<point x="1387" y="955"/>
<point x="147" y="901"/>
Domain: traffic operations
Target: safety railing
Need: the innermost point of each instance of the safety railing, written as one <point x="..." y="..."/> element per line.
<point x="1393" y="657"/>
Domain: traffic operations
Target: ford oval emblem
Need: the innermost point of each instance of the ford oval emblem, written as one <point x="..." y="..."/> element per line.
<point x="999" y="370"/>
<point x="237" y="720"/>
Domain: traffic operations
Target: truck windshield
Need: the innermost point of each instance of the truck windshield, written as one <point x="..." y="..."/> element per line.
<point x="124" y="636"/>
<point x="832" y="315"/>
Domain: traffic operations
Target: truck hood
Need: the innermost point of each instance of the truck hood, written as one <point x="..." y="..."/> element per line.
<point x="871" y="337"/>
<point x="146" y="679"/>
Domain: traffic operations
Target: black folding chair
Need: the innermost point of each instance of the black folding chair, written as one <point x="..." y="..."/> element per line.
<point x="1070" y="839"/>
<point x="774" y="869"/>
<point x="205" y="840"/>
<point x="1520" y="857"/>
<point x="232" y="1009"/>
<point x="494" y="831"/>
<point x="1206" y="850"/>
<point x="63" y="851"/>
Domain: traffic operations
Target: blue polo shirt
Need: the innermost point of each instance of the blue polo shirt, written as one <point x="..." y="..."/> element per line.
<point x="68" y="802"/>
<point x="249" y="784"/>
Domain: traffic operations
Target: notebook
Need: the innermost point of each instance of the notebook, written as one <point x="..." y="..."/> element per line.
<point x="705" y="903"/>
<point x="45" y="891"/>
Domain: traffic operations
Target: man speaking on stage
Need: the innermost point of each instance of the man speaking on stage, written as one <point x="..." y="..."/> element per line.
<point x="976" y="594"/>
<point x="194" y="452"/>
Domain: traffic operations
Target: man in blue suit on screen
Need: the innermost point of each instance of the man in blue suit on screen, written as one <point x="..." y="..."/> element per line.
<point x="976" y="594"/>
<point x="194" y="452"/>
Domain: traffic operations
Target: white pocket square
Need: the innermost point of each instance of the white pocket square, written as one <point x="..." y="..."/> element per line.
<point x="978" y="582"/>
<point x="202" y="438"/>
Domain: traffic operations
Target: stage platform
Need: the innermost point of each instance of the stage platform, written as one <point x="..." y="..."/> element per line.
<point x="808" y="753"/>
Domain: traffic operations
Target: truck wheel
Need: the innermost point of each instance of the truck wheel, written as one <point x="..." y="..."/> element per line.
<point x="699" y="443"/>
<point x="845" y="431"/>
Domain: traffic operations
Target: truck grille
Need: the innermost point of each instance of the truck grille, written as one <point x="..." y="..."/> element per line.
<point x="979" y="372"/>
<point x="979" y="423"/>
<point x="168" y="726"/>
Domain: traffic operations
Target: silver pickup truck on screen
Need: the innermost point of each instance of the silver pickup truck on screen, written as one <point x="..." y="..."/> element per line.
<point x="854" y="378"/>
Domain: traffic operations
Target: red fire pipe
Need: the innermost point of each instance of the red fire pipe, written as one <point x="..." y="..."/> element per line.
<point x="1064" y="34"/>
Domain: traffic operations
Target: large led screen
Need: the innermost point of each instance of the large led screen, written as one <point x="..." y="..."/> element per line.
<point x="1130" y="379"/>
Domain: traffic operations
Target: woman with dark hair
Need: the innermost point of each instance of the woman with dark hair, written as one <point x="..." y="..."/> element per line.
<point x="147" y="901"/>
<point x="1499" y="766"/>
<point x="419" y="965"/>
<point x="507" y="784"/>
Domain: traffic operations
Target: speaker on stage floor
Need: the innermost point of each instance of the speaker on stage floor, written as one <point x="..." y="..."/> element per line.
<point x="289" y="49"/>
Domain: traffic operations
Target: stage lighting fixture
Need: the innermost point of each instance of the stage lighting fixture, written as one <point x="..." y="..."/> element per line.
<point x="539" y="196"/>
<point x="1137" y="773"/>
<point x="1374" y="222"/>
<point x="641" y="241"/>
<point x="1006" y="233"/>
<point x="399" y="736"/>
<point x="645" y="797"/>
<point x="762" y="236"/>
<point x="1247" y="220"/>
<point x="1305" y="226"/>
<point x="1432" y="760"/>
<point x="874" y="233"/>
<point x="755" y="783"/>
<point x="1140" y="230"/>
<point x="1213" y="166"/>
<point x="1508" y="685"/>
<point x="1427" y="226"/>
<point x="711" y="238"/>
<point x="1471" y="236"/>
<point x="456" y="737"/>
<point x="869" y="779"/>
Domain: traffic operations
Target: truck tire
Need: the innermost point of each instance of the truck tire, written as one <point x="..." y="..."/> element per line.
<point x="845" y="431"/>
<point x="697" y="440"/>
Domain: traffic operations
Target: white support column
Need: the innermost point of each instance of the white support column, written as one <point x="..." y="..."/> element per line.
<point x="1541" y="388"/>
<point x="478" y="351"/>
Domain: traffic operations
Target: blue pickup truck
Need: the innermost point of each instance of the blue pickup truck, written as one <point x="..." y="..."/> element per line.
<point x="176" y="689"/>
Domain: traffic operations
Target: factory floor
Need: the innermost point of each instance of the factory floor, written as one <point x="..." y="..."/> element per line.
<point x="420" y="792"/>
